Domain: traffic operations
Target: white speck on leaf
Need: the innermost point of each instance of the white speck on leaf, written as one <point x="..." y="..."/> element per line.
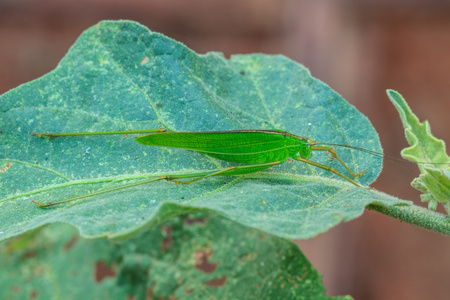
<point x="87" y="151"/>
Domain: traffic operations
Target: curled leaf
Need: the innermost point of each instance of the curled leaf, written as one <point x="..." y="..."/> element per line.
<point x="430" y="154"/>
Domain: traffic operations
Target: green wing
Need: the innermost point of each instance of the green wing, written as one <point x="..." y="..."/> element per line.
<point x="249" y="147"/>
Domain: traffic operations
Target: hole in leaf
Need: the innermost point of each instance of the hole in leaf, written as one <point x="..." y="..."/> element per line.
<point x="102" y="271"/>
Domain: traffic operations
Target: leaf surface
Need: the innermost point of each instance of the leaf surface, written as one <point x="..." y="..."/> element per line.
<point x="121" y="76"/>
<point x="197" y="256"/>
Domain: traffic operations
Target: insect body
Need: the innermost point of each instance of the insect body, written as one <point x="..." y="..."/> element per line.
<point x="251" y="147"/>
<point x="256" y="150"/>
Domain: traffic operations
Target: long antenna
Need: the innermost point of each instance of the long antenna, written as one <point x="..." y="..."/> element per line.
<point x="381" y="155"/>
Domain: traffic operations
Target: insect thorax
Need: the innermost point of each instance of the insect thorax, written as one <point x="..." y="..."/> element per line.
<point x="299" y="147"/>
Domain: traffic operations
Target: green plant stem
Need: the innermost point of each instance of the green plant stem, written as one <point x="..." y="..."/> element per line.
<point x="417" y="216"/>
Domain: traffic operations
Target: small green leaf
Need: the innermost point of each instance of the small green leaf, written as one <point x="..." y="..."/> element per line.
<point x="434" y="180"/>
<point x="200" y="256"/>
<point x="121" y="76"/>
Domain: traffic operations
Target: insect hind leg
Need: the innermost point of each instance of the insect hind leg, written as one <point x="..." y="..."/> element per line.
<point x="231" y="171"/>
<point x="327" y="168"/>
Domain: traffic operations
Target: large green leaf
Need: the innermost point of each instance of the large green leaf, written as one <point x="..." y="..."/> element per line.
<point x="121" y="76"/>
<point x="199" y="256"/>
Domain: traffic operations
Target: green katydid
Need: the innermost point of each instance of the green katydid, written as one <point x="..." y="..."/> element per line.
<point x="256" y="150"/>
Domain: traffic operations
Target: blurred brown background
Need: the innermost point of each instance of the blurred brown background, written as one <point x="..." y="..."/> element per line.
<point x="359" y="48"/>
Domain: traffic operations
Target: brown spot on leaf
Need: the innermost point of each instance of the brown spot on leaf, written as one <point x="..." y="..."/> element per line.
<point x="71" y="243"/>
<point x="6" y="167"/>
<point x="149" y="293"/>
<point x="144" y="61"/>
<point x="303" y="276"/>
<point x="201" y="262"/>
<point x="250" y="256"/>
<point x="217" y="283"/>
<point x="29" y="254"/>
<point x="33" y="294"/>
<point x="189" y="222"/>
<point x="102" y="271"/>
<point x="188" y="292"/>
